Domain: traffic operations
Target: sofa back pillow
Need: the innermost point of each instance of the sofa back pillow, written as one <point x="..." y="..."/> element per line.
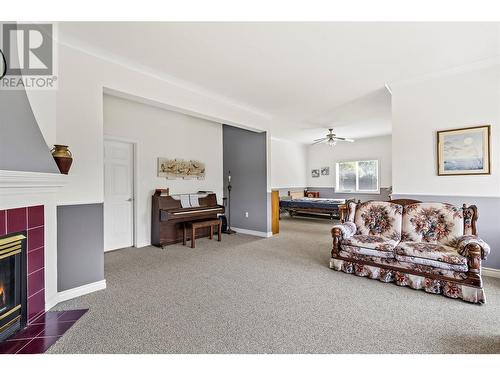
<point x="432" y="222"/>
<point x="377" y="218"/>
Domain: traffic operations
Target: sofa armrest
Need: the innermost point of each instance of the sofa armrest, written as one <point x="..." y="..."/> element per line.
<point x="466" y="245"/>
<point x="344" y="230"/>
<point x="340" y="231"/>
<point x="475" y="250"/>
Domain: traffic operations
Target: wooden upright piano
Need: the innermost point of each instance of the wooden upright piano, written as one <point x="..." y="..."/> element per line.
<point x="168" y="216"/>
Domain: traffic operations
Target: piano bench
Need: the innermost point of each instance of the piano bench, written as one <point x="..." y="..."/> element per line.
<point x="210" y="223"/>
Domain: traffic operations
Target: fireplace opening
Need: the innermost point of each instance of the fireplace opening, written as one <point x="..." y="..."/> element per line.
<point x="13" y="284"/>
<point x="3" y="297"/>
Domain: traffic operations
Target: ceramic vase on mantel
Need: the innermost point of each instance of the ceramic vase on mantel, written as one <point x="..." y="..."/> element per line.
<point x="63" y="158"/>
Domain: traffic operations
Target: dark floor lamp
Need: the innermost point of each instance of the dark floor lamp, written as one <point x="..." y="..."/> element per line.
<point x="229" y="187"/>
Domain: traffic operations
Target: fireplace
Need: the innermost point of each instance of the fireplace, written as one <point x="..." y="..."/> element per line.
<point x="13" y="288"/>
<point x="28" y="206"/>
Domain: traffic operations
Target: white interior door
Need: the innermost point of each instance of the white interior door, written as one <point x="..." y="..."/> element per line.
<point x="118" y="195"/>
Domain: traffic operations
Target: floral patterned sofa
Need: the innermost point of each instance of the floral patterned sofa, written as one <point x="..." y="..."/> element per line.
<point x="430" y="246"/>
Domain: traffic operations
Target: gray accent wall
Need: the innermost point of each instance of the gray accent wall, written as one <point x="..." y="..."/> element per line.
<point x="244" y="154"/>
<point x="488" y="224"/>
<point x="80" y="245"/>
<point x="22" y="146"/>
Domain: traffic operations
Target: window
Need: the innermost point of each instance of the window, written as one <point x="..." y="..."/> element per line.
<point x="357" y="176"/>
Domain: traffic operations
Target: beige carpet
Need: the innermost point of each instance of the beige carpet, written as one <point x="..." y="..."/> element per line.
<point x="277" y="295"/>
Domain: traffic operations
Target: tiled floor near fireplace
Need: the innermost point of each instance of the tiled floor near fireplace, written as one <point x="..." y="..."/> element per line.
<point x="42" y="333"/>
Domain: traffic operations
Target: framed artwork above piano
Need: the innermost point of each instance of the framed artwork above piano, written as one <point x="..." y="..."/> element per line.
<point x="180" y="168"/>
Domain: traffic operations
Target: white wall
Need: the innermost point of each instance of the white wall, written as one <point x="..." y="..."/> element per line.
<point x="288" y="164"/>
<point x="163" y="133"/>
<point x="82" y="78"/>
<point x="420" y="109"/>
<point x="375" y="148"/>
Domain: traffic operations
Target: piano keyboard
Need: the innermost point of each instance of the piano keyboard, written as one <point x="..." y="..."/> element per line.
<point x="195" y="211"/>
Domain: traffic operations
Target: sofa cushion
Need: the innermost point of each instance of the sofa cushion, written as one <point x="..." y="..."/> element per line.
<point x="371" y="242"/>
<point x="375" y="218"/>
<point x="376" y="246"/>
<point x="357" y="250"/>
<point x="428" y="254"/>
<point x="437" y="223"/>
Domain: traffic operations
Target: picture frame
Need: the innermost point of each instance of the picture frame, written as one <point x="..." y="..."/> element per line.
<point x="315" y="173"/>
<point x="180" y="168"/>
<point x="464" y="151"/>
<point x="325" y="171"/>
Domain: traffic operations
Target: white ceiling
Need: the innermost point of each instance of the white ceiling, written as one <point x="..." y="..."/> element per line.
<point x="303" y="75"/>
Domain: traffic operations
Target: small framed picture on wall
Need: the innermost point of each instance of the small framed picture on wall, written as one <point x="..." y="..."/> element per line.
<point x="464" y="151"/>
<point x="315" y="173"/>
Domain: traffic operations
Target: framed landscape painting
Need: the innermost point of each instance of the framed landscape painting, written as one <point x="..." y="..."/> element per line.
<point x="464" y="151"/>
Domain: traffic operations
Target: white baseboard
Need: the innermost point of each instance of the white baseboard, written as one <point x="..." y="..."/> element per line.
<point x="75" y="292"/>
<point x="491" y="272"/>
<point x="253" y="232"/>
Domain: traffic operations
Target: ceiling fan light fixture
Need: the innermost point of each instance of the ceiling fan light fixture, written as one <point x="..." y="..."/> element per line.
<point x="331" y="139"/>
<point x="332" y="142"/>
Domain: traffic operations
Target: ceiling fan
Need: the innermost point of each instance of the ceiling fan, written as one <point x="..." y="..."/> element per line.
<point x="331" y="139"/>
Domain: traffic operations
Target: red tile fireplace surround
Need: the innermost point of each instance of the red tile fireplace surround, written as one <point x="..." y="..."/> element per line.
<point x="31" y="220"/>
<point x="29" y="206"/>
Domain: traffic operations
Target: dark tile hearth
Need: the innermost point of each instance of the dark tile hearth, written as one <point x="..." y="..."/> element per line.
<point x="38" y="345"/>
<point x="27" y="333"/>
<point x="42" y="333"/>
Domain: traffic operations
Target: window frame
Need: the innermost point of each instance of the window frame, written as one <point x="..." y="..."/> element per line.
<point x="357" y="190"/>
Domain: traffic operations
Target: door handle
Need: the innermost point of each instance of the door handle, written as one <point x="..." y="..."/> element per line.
<point x="130" y="200"/>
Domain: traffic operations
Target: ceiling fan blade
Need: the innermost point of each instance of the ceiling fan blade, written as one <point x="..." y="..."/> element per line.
<point x="344" y="139"/>
<point x="319" y="141"/>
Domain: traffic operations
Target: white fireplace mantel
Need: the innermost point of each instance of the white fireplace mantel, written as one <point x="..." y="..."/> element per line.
<point x="20" y="179"/>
